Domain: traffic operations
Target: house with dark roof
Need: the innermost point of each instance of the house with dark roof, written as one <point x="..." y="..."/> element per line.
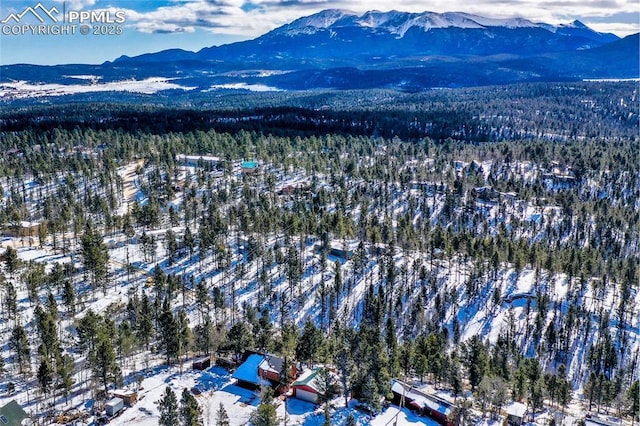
<point x="261" y="369"/>
<point x="12" y="414"/>
<point x="405" y="395"/>
<point x="271" y="367"/>
<point x="487" y="194"/>
<point x="430" y="188"/>
<point x="201" y="363"/>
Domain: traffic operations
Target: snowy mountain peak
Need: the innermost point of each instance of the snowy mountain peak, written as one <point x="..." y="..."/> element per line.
<point x="576" y="24"/>
<point x="398" y="23"/>
<point x="320" y="20"/>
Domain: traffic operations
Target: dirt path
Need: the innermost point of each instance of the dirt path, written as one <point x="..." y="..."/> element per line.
<point x="129" y="179"/>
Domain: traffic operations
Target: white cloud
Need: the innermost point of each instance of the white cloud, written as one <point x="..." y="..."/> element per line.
<point x="77" y="4"/>
<point x="251" y="18"/>
<point x="617" y="28"/>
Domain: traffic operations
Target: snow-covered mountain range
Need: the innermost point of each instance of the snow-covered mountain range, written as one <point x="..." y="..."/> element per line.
<point x="399" y="50"/>
<point x="395" y="22"/>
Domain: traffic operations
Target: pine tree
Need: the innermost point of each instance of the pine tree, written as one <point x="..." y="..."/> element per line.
<point x="345" y="366"/>
<point x="20" y="345"/>
<point x="11" y="259"/>
<point x="327" y="416"/>
<point x="310" y="342"/>
<point x="69" y="296"/>
<point x="184" y="335"/>
<point x="369" y="392"/>
<point x="264" y="331"/>
<point x="95" y="256"/>
<point x="168" y="407"/>
<point x="144" y="330"/>
<point x="476" y="360"/>
<point x="189" y="242"/>
<point x="103" y="360"/>
<point x="202" y="299"/>
<point x="202" y="332"/>
<point x="265" y="415"/>
<point x="633" y="396"/>
<point x="11" y="300"/>
<point x="222" y="418"/>
<point x="169" y="333"/>
<point x="45" y="376"/>
<point x="190" y="411"/>
<point x="240" y="337"/>
<point x="64" y="367"/>
<point x="325" y="383"/>
<point x="171" y="245"/>
<point x="285" y="374"/>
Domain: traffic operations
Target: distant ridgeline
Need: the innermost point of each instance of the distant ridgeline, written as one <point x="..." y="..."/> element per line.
<point x="571" y="110"/>
<point x="336" y="49"/>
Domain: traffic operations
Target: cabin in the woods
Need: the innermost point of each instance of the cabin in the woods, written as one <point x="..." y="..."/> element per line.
<point x="247" y="375"/>
<point x="128" y="396"/>
<point x="261" y="369"/>
<point x="308" y="387"/>
<point x="22" y="229"/>
<point x="516" y="412"/>
<point x="595" y="421"/>
<point x="405" y="395"/>
<point x="249" y="167"/>
<point x="201" y="363"/>
<point x="487" y="194"/>
<point x="198" y="160"/>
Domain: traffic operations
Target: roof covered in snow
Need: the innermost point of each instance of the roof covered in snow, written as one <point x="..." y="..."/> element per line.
<point x="595" y="421"/>
<point x="420" y="398"/>
<point x="114" y="402"/>
<point x="517" y="409"/>
<point x="272" y="363"/>
<point x="308" y="378"/>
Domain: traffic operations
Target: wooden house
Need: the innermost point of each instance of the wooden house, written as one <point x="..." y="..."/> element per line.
<point x="247" y="375"/>
<point x="405" y="395"/>
<point x="249" y="167"/>
<point x="129" y="397"/>
<point x="516" y="412"/>
<point x="201" y="363"/>
<point x="261" y="369"/>
<point x="307" y="388"/>
<point x="22" y="229"/>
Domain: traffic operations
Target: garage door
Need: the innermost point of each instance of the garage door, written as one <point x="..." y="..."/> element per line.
<point x="306" y="395"/>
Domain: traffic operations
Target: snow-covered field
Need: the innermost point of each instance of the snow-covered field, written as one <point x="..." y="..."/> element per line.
<point x="23" y="89"/>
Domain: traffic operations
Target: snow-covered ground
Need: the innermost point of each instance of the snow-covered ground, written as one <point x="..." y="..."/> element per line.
<point x="23" y="89"/>
<point x="240" y="403"/>
<point x="466" y="294"/>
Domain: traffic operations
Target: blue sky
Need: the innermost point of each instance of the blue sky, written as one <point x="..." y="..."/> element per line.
<point x="153" y="25"/>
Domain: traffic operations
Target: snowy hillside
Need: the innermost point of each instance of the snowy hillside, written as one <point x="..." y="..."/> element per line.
<point x="483" y="274"/>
